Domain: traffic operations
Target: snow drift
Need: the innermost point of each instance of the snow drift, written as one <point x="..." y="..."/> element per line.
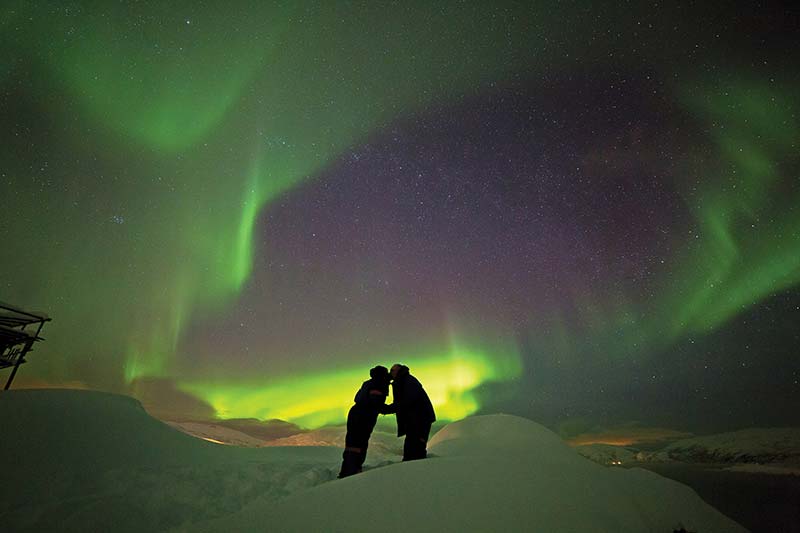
<point x="88" y="461"/>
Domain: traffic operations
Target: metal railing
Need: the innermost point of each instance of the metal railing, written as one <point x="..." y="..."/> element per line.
<point x="19" y="330"/>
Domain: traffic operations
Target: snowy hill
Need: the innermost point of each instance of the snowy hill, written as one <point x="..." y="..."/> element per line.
<point x="383" y="446"/>
<point x="755" y="445"/>
<point x="217" y="433"/>
<point x="606" y="454"/>
<point x="88" y="461"/>
<point x="767" y="450"/>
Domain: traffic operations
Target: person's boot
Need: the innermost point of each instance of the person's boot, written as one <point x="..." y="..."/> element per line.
<point x="414" y="448"/>
<point x="351" y="462"/>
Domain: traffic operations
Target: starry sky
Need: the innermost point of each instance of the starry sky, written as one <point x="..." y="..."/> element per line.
<point x="587" y="215"/>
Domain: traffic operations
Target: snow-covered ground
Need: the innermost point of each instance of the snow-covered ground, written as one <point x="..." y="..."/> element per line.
<point x="607" y="454"/>
<point x="383" y="446"/>
<point x="218" y="433"/>
<point x="761" y="468"/>
<point x="258" y="432"/>
<point x="755" y="445"/>
<point x="765" y="450"/>
<point x="88" y="461"/>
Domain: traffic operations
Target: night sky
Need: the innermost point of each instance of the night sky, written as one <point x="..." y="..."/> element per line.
<point x="583" y="214"/>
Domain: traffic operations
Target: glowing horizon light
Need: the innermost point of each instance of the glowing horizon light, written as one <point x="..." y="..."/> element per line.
<point x="215" y="441"/>
<point x="317" y="400"/>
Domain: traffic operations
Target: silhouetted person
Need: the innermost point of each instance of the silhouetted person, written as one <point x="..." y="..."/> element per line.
<point x="414" y="412"/>
<point x="369" y="401"/>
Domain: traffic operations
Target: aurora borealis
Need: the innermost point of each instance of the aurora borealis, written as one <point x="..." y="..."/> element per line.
<point x="576" y="213"/>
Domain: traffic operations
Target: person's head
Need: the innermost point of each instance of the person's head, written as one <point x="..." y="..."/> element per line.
<point x="398" y="369"/>
<point x="379" y="373"/>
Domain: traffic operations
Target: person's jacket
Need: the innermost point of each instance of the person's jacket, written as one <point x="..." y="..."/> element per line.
<point x="411" y="404"/>
<point x="372" y="395"/>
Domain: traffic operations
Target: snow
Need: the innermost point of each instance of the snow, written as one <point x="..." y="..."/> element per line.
<point x="383" y="447"/>
<point x="199" y="424"/>
<point x="90" y="461"/>
<point x="489" y="473"/>
<point x="754" y="445"/>
<point x="217" y="433"/>
<point x="754" y="450"/>
<point x="775" y="470"/>
<point x="606" y="454"/>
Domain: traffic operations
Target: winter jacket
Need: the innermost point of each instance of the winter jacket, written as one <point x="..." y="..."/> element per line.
<point x="411" y="404"/>
<point x="369" y="401"/>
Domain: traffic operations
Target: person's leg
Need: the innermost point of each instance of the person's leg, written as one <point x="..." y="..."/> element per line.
<point x="350" y="462"/>
<point x="355" y="452"/>
<point x="415" y="445"/>
<point x="351" y="457"/>
<point x="423" y="440"/>
<point x="363" y="454"/>
<point x="408" y="448"/>
<point x="424" y="433"/>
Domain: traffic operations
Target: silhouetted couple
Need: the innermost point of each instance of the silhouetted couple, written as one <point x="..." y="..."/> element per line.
<point x="411" y="406"/>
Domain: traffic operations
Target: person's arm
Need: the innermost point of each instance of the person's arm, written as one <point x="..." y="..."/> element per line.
<point x="376" y="397"/>
<point x="387" y="409"/>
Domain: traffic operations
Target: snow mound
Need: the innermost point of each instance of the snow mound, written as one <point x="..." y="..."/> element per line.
<point x="483" y="435"/>
<point x="489" y="473"/>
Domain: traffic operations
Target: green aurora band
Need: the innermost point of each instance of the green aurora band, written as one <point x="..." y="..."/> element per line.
<point x="450" y="375"/>
<point x="733" y="265"/>
<point x="744" y="245"/>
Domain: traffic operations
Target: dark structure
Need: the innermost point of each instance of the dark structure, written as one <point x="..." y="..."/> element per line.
<point x="19" y="330"/>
